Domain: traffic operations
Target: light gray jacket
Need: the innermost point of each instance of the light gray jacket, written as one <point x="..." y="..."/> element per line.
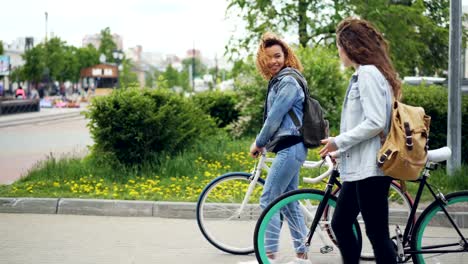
<point x="366" y="112"/>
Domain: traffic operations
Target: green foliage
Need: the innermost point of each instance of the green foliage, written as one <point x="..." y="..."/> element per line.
<point x="221" y="106"/>
<point x="107" y="45"/>
<point x="326" y="81"/>
<point x="35" y="63"/>
<point x="171" y="75"/>
<point x="416" y="40"/>
<point x="62" y="62"/>
<point x="1" y="47"/>
<point x="137" y="125"/>
<point x="128" y="78"/>
<point x="252" y="89"/>
<point x="434" y="100"/>
<point x="200" y="68"/>
<point x="304" y="18"/>
<point x="416" y="30"/>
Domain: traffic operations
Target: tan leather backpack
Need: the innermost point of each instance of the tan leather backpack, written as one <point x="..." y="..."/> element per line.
<point x="404" y="152"/>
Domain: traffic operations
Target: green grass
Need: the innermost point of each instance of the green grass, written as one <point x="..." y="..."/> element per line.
<point x="178" y="178"/>
<point x="443" y="182"/>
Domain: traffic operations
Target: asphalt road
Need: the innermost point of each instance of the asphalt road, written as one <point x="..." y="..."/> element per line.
<point x="21" y="147"/>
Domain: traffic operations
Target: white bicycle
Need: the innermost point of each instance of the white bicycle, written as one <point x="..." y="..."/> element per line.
<point x="228" y="208"/>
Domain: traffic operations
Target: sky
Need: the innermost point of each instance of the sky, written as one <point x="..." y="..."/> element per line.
<point x="165" y="26"/>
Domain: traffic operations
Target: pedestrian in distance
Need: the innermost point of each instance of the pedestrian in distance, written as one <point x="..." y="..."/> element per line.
<point x="278" y="64"/>
<point x="20" y="93"/>
<point x="365" y="120"/>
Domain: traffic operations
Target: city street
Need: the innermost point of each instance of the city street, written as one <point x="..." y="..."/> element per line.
<point x="24" y="145"/>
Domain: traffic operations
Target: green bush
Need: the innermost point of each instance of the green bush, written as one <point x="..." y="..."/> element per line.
<point x="135" y="125"/>
<point x="252" y="89"/>
<point x="327" y="82"/>
<point x="434" y="100"/>
<point x="221" y="106"/>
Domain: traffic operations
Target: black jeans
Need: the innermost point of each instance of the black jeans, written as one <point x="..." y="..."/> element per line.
<point x="368" y="196"/>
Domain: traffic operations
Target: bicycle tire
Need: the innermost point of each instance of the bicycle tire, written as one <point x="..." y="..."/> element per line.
<point x="215" y="213"/>
<point x="433" y="226"/>
<point x="311" y="198"/>
<point x="400" y="204"/>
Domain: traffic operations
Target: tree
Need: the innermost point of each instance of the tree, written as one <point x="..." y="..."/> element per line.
<point x="87" y="56"/>
<point x="417" y="30"/>
<point x="127" y="77"/>
<point x="1" y="47"/>
<point x="55" y="58"/>
<point x="107" y="45"/>
<point x="200" y="68"/>
<point x="35" y="63"/>
<point x="171" y="76"/>
<point x="310" y="21"/>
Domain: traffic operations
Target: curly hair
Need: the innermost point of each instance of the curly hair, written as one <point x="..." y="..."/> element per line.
<point x="365" y="45"/>
<point x="290" y="59"/>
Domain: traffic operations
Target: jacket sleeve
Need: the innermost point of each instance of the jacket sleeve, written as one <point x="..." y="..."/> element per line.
<point x="373" y="101"/>
<point x="285" y="98"/>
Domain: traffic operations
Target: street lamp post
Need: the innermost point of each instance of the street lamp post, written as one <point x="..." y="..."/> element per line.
<point x="118" y="58"/>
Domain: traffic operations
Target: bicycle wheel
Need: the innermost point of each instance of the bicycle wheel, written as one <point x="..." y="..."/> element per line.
<point x="399" y="205"/>
<point x="322" y="248"/>
<point x="433" y="231"/>
<point x="218" y="212"/>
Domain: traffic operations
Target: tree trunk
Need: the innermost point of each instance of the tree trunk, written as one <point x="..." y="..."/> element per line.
<point x="302" y="23"/>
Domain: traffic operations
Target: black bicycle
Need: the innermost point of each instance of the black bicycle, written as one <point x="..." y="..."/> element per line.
<point x="438" y="235"/>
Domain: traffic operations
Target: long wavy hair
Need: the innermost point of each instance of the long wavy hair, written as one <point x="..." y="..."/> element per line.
<point x="365" y="45"/>
<point x="290" y="59"/>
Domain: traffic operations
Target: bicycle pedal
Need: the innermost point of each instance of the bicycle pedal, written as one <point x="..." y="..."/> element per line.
<point x="326" y="249"/>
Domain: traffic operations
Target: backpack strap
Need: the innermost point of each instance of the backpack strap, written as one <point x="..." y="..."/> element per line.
<point x="294" y="118"/>
<point x="291" y="113"/>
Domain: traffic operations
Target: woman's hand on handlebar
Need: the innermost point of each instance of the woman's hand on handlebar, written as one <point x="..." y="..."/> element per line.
<point x="255" y="151"/>
<point x="329" y="148"/>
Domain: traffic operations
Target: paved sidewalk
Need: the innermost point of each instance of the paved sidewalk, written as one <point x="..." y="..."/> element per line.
<point x="45" y="114"/>
<point x="58" y="239"/>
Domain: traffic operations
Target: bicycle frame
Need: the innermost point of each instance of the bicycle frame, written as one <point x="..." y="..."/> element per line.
<point x="261" y="165"/>
<point x="411" y="224"/>
<point x="323" y="204"/>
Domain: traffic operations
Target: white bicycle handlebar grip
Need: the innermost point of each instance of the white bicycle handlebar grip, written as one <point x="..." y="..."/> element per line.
<point x="329" y="162"/>
<point x="438" y="155"/>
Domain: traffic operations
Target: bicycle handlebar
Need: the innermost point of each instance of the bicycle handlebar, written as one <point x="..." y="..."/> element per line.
<point x="313" y="164"/>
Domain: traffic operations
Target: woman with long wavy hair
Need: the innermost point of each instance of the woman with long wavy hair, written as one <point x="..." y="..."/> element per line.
<point x="365" y="120"/>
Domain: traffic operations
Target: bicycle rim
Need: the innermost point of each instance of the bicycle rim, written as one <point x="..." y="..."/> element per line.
<point x="219" y="217"/>
<point x="322" y="248"/>
<point x="434" y="230"/>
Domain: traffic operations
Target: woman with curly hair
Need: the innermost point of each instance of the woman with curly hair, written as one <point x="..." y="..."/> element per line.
<point x="365" y="120"/>
<point x="278" y="64"/>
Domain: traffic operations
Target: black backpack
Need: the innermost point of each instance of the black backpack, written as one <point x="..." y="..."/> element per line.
<point x="314" y="126"/>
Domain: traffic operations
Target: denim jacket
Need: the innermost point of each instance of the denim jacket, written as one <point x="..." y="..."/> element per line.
<point x="284" y="94"/>
<point x="366" y="112"/>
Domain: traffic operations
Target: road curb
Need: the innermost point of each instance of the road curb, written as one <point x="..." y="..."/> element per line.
<point x="98" y="207"/>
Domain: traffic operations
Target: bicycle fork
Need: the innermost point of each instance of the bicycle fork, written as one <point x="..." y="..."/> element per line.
<point x="253" y="181"/>
<point x="318" y="215"/>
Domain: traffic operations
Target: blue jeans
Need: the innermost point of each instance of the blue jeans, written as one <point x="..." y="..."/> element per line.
<point x="284" y="177"/>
